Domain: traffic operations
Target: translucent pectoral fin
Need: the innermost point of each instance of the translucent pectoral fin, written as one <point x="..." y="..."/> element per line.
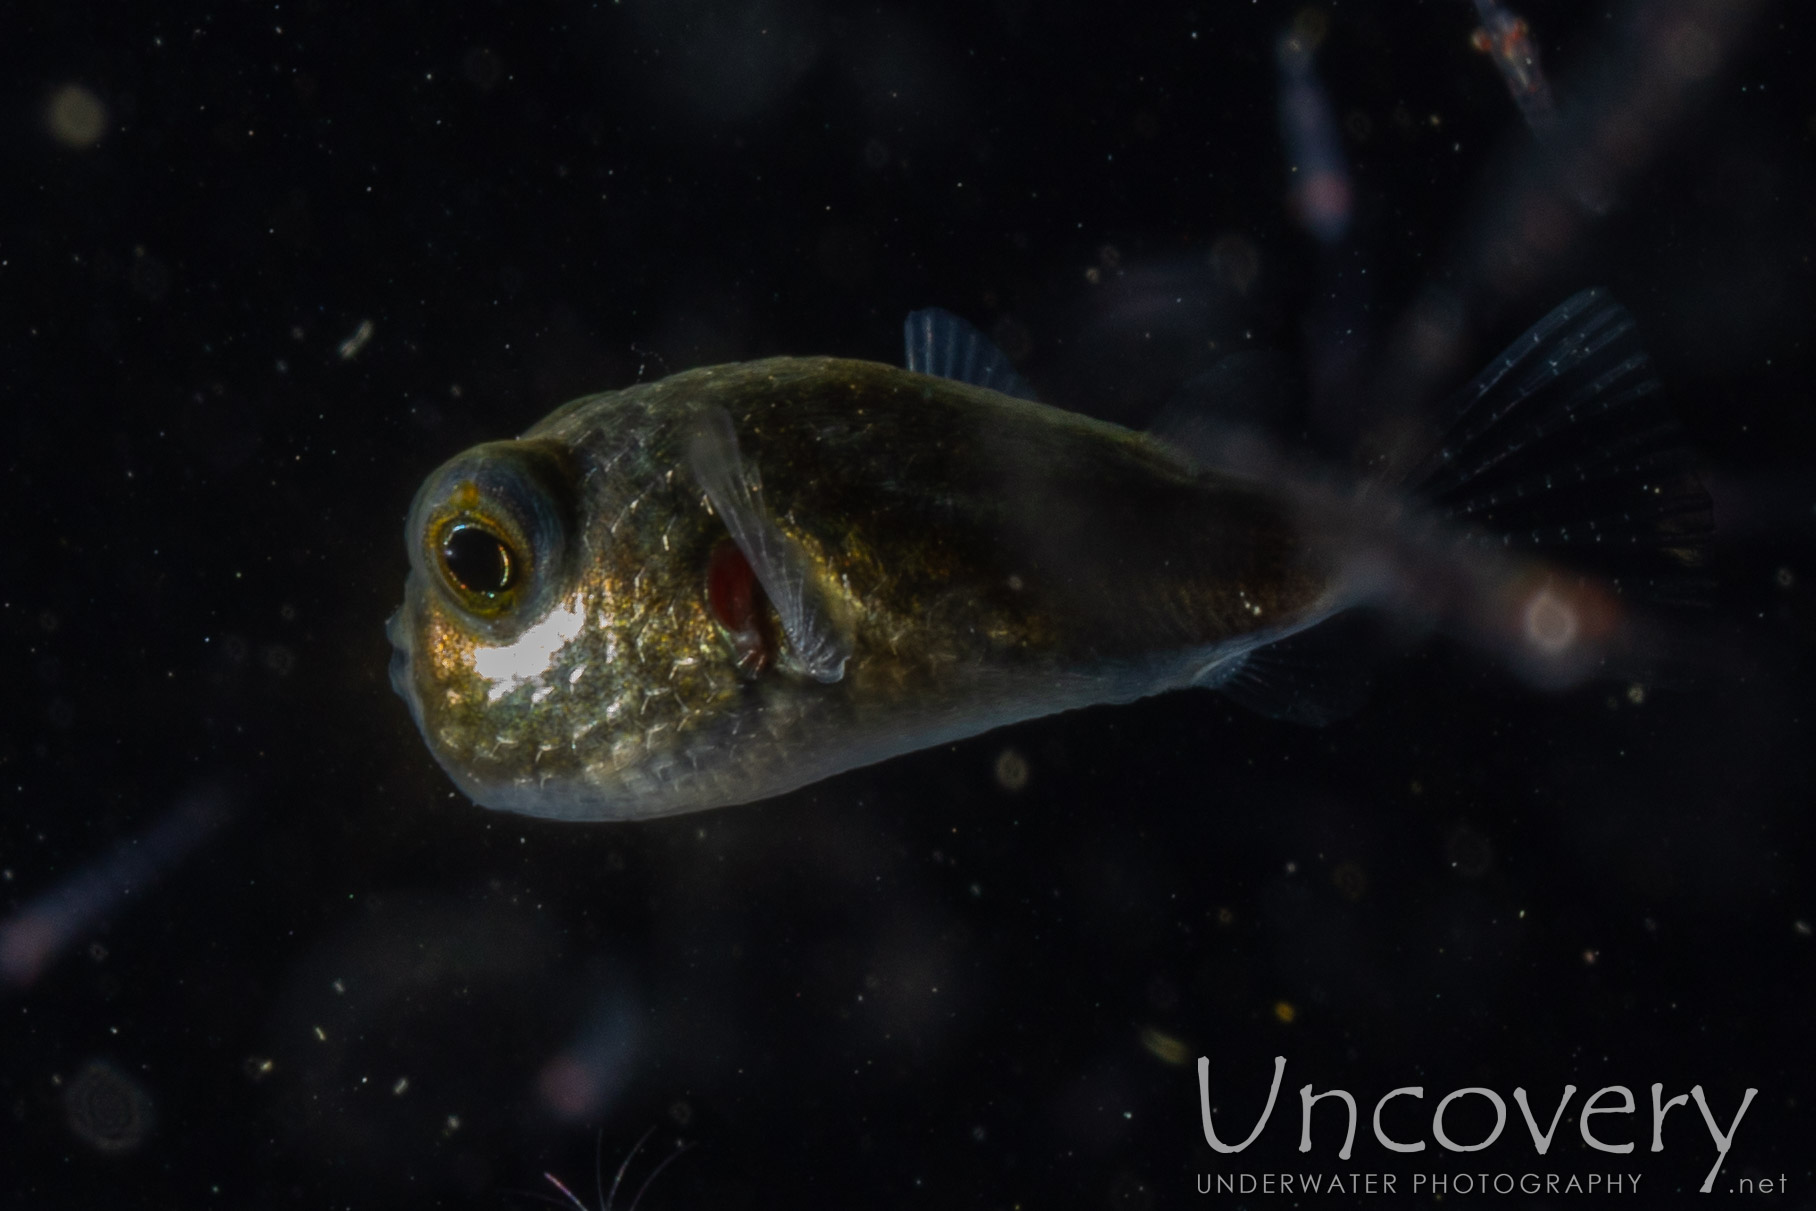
<point x="940" y="343"/>
<point x="818" y="647"/>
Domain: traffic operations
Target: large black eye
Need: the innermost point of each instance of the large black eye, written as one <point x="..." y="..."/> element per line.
<point x="478" y="560"/>
<point x="489" y="532"/>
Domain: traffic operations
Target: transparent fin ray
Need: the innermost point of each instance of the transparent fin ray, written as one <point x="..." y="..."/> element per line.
<point x="939" y="343"/>
<point x="1315" y="677"/>
<point x="818" y="647"/>
<point x="1563" y="442"/>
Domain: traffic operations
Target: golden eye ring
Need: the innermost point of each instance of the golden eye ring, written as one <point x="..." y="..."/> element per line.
<point x="479" y="562"/>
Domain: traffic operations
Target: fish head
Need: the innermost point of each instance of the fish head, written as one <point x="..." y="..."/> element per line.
<point x="488" y="606"/>
<point x="554" y="645"/>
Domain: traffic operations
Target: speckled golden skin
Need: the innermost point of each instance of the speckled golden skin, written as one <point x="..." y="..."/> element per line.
<point x="988" y="559"/>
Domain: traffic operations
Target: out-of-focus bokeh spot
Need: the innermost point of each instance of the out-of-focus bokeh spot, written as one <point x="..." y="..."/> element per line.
<point x="1236" y="262"/>
<point x="1471" y="854"/>
<point x="579" y="1083"/>
<point x="1012" y="771"/>
<point x="107" y="1109"/>
<point x="1350" y="880"/>
<point x="76" y="117"/>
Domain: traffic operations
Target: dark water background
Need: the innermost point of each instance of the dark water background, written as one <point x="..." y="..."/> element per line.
<point x="908" y="986"/>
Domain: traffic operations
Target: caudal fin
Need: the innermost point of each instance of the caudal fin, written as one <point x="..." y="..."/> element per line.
<point x="1558" y="500"/>
<point x="1563" y="447"/>
<point x="1564" y="503"/>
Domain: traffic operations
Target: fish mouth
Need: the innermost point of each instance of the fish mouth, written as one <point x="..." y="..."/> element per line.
<point x="397" y="630"/>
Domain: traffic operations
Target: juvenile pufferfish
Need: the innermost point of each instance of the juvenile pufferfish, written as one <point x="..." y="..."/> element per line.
<point x="741" y="579"/>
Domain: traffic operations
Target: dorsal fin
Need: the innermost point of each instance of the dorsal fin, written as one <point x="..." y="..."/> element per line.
<point x="820" y="649"/>
<point x="944" y="345"/>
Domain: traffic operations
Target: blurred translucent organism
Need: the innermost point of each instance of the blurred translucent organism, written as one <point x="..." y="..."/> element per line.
<point x="32" y="937"/>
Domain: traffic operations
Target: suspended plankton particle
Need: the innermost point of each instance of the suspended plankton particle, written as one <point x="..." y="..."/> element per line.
<point x="1164" y="1047"/>
<point x="1505" y="38"/>
<point x="350" y="348"/>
